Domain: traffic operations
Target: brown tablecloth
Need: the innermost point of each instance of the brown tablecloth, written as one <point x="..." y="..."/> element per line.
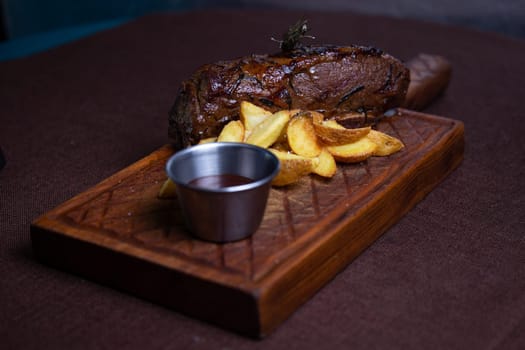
<point x="450" y="274"/>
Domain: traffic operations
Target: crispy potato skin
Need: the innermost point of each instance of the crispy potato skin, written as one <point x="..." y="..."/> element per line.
<point x="302" y="137"/>
<point x="386" y="144"/>
<point x="327" y="166"/>
<point x="269" y="130"/>
<point x="232" y="132"/>
<point x="167" y="190"/>
<point x="252" y="115"/>
<point x="293" y="167"/>
<point x="332" y="133"/>
<point x="353" y="152"/>
<point x="303" y="140"/>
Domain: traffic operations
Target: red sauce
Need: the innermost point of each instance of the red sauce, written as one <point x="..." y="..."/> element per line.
<point x="220" y="181"/>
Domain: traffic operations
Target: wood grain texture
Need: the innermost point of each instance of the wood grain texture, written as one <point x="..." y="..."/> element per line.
<point x="120" y="234"/>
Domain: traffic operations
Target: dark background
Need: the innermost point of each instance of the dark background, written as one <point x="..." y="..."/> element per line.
<point x="25" y="17"/>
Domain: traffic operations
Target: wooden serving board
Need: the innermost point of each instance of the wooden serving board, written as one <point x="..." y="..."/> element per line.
<point x="120" y="234"/>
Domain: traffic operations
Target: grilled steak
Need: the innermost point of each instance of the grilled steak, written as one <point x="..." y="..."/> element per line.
<point x="337" y="81"/>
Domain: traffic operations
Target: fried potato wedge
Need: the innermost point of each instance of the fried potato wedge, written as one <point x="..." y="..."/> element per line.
<point x="332" y="133"/>
<point x="386" y="144"/>
<point x="303" y="140"/>
<point x="293" y="167"/>
<point x="168" y="189"/>
<point x="354" y="152"/>
<point x="232" y="132"/>
<point x="281" y="146"/>
<point x="208" y="140"/>
<point x="295" y="112"/>
<point x="269" y="130"/>
<point x="327" y="167"/>
<point x="252" y="115"/>
<point x="301" y="136"/>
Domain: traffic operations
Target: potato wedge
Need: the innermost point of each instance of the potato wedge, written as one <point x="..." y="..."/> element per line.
<point x="251" y="115"/>
<point x="283" y="138"/>
<point x="281" y="146"/>
<point x="386" y="144"/>
<point x="269" y="130"/>
<point x="207" y="140"/>
<point x="293" y="167"/>
<point x="327" y="166"/>
<point x="168" y="189"/>
<point x="333" y="133"/>
<point x="301" y="136"/>
<point x="295" y="112"/>
<point x="354" y="152"/>
<point x="232" y="132"/>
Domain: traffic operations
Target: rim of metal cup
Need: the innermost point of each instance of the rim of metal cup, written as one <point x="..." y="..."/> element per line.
<point x="203" y="148"/>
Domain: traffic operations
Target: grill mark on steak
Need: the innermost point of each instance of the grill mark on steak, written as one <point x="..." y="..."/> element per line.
<point x="266" y="102"/>
<point x="352" y="91"/>
<point x="388" y="80"/>
<point x="237" y="83"/>
<point x="335" y="80"/>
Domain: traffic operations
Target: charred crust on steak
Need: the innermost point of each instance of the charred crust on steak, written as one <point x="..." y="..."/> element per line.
<point x="352" y="84"/>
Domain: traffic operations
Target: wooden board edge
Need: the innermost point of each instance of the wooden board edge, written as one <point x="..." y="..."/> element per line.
<point x="217" y="304"/>
<point x="90" y="236"/>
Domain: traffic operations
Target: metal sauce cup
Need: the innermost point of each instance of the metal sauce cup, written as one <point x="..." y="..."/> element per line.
<point x="223" y="214"/>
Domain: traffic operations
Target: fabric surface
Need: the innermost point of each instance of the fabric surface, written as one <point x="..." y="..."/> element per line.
<point x="450" y="274"/>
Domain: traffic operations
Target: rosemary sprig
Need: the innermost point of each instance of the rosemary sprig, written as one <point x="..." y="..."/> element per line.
<point x="292" y="38"/>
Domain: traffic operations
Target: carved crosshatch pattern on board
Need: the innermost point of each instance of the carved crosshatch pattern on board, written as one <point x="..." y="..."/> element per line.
<point x="130" y="210"/>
